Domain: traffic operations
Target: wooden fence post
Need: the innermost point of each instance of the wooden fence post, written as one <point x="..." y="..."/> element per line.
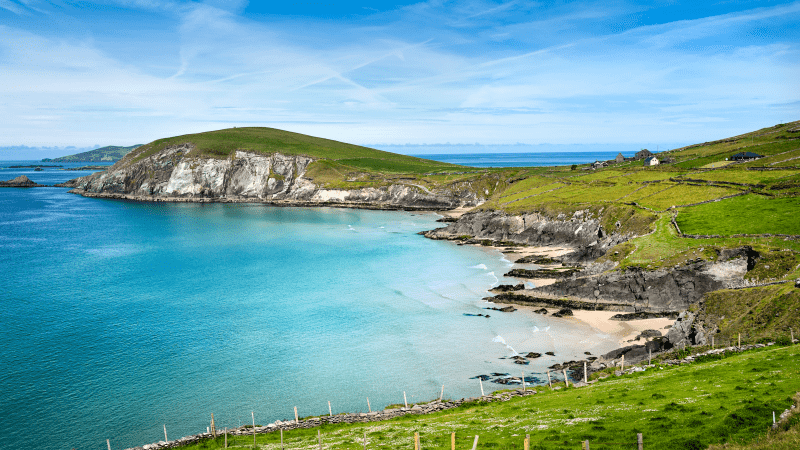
<point x="253" y="415"/>
<point x="365" y="439"/>
<point x="281" y="438"/>
<point x="475" y="444"/>
<point x="586" y="445"/>
<point x="622" y="364"/>
<point x="213" y="426"/>
<point x="585" y="374"/>
<point x="330" y="413"/>
<point x="295" y="415"/>
<point x="740" y="339"/>
<point x="527" y="444"/>
<point x="441" y="394"/>
<point x="566" y="381"/>
<point x="405" y="400"/>
<point x="369" y="407"/>
<point x="712" y="342"/>
<point x="549" y="381"/>
<point x="226" y="437"/>
<point x="453" y="441"/>
<point x="481" y="382"/>
<point x="319" y="438"/>
<point x="165" y="433"/>
<point x="639" y="441"/>
<point x="650" y="357"/>
<point x="523" y="381"/>
<point x="108" y="443"/>
<point x="792" y="332"/>
<point x="416" y="441"/>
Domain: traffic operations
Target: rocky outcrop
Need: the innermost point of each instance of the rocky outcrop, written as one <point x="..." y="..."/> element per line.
<point x="173" y="175"/>
<point x="582" y="230"/>
<point x="20" y="181"/>
<point x="667" y="289"/>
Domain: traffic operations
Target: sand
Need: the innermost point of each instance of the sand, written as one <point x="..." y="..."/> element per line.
<point x="626" y="331"/>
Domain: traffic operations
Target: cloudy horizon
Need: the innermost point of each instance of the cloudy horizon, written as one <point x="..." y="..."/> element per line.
<point x="494" y="73"/>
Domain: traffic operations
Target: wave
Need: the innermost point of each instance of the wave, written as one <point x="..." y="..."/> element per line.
<point x="500" y="340"/>
<point x="479" y="266"/>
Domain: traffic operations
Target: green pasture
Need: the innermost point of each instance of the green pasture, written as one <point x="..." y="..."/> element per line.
<point x="722" y="400"/>
<point x="747" y="214"/>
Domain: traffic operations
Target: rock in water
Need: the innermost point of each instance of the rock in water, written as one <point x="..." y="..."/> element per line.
<point x="20" y="181"/>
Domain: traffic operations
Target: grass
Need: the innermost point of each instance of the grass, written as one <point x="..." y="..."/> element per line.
<point x="747" y="214"/>
<point x="726" y="400"/>
<point x="221" y="143"/>
<point x="755" y="313"/>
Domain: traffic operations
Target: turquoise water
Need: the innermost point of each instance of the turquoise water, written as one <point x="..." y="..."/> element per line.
<point x="121" y="317"/>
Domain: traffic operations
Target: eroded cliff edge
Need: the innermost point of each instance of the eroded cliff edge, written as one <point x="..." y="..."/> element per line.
<point x="173" y="174"/>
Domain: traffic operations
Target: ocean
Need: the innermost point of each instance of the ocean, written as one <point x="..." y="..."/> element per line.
<point x="121" y="317"/>
<point x="523" y="159"/>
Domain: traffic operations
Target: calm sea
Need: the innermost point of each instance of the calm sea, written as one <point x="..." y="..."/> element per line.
<point x="119" y="317"/>
<point x="524" y="159"/>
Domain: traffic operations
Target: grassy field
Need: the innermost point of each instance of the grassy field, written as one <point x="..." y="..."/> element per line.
<point x="728" y="400"/>
<point x="747" y="214"/>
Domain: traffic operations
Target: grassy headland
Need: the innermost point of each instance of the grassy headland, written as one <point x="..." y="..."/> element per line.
<point x="110" y="153"/>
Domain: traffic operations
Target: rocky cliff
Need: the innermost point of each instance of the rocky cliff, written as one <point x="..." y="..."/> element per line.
<point x="582" y="231"/>
<point x="172" y="175"/>
<point x="672" y="289"/>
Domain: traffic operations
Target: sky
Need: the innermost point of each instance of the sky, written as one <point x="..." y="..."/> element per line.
<point x="123" y="72"/>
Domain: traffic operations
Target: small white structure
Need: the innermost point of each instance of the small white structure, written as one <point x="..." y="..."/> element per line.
<point x="650" y="161"/>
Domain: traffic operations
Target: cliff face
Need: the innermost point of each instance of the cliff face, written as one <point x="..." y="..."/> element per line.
<point x="171" y="175"/>
<point x="582" y="231"/>
<point x="673" y="289"/>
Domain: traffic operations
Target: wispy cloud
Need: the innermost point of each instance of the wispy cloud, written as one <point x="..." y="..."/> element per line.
<point x="475" y="71"/>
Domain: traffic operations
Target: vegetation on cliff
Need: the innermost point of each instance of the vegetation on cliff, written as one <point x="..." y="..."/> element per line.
<point x="110" y="153"/>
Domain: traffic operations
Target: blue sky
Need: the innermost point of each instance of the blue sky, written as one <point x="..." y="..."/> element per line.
<point x="385" y="72"/>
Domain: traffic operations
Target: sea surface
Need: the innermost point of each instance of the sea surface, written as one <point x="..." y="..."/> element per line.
<point x="120" y="317"/>
<point x="523" y="159"/>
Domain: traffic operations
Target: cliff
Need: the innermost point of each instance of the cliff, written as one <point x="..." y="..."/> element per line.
<point x="177" y="173"/>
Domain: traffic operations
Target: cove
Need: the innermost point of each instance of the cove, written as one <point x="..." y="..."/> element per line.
<point x="120" y="317"/>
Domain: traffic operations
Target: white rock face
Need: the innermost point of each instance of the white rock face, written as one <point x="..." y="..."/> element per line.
<point x="172" y="175"/>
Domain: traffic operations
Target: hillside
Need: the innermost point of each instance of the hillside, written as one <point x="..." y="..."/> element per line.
<point x="281" y="167"/>
<point x="724" y="398"/>
<point x="104" y="154"/>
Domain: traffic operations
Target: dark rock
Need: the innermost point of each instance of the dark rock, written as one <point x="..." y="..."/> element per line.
<point x="797" y="283"/>
<point x="20" y="181"/>
<point x="481" y="377"/>
<point x="645" y="315"/>
<point x="542" y="273"/>
<point x="504" y="309"/>
<point x="587" y="353"/>
<point x="498" y="374"/>
<point x="509" y="287"/>
<point x="550" y="353"/>
<point x="533" y="355"/>
<point x="563" y="312"/>
<point x="592" y="358"/>
<point x="536" y="259"/>
<point x="447" y="220"/>
<point x="650" y="333"/>
<point x="541" y="311"/>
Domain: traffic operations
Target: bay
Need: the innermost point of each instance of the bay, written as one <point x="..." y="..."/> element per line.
<point x="121" y="317"/>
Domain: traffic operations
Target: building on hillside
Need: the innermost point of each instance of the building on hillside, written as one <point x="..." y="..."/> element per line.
<point x="619" y="158"/>
<point x="599" y="164"/>
<point x="667" y="160"/>
<point x="642" y="154"/>
<point x="650" y="161"/>
<point x="746" y="156"/>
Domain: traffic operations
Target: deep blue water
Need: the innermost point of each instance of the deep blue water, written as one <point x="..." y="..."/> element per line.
<point x="524" y="159"/>
<point x="121" y="317"/>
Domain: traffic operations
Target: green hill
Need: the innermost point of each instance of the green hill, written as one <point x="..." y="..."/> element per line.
<point x="110" y="153"/>
<point x="220" y="144"/>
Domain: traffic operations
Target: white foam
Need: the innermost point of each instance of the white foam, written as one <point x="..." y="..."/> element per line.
<point x="500" y="339"/>
<point x="480" y="266"/>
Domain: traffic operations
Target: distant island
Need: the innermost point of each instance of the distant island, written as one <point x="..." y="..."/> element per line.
<point x="109" y="153"/>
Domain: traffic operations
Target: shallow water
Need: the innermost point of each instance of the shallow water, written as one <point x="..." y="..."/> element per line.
<point x="120" y="317"/>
